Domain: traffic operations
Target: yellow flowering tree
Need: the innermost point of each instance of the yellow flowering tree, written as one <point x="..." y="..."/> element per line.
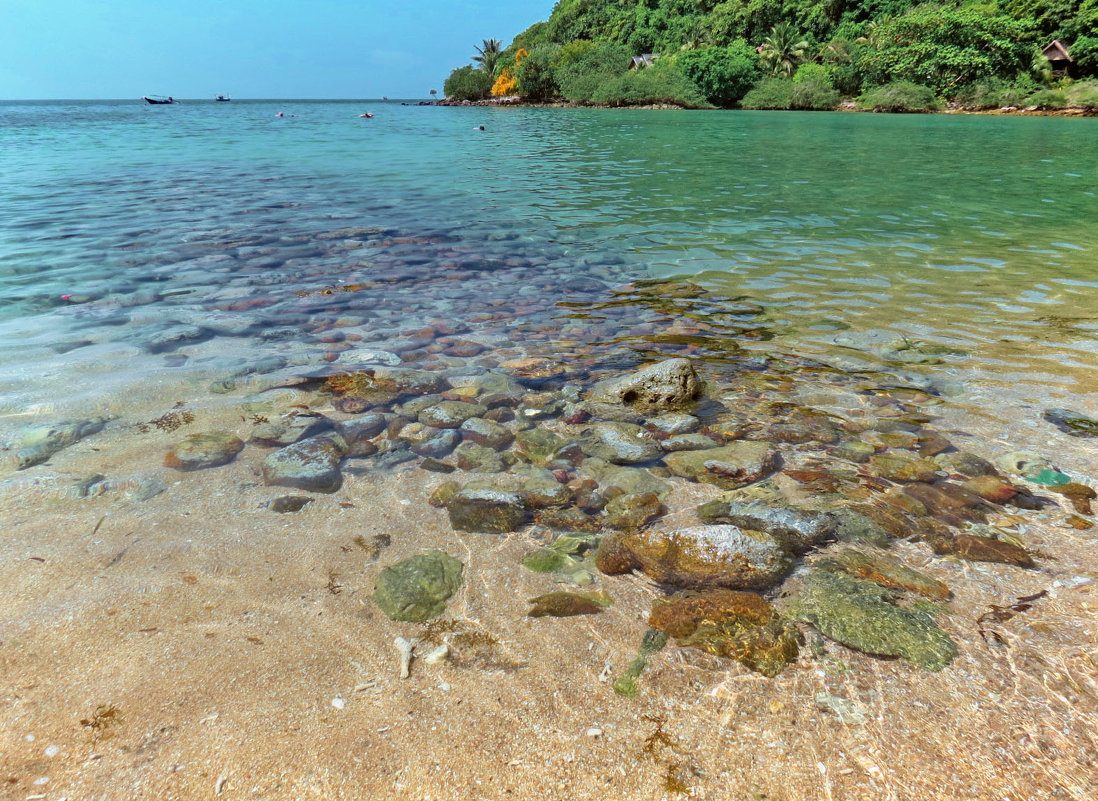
<point x="507" y="83"/>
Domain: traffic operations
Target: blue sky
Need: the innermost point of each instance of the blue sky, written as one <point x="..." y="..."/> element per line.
<point x="246" y="48"/>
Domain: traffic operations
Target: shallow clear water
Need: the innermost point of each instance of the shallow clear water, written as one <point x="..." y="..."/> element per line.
<point x="137" y="242"/>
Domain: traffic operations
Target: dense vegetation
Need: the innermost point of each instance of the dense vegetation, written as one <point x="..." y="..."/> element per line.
<point x="803" y="54"/>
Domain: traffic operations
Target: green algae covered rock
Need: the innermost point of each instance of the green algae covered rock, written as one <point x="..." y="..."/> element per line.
<point x="417" y="589"/>
<point x="887" y="572"/>
<point x="861" y="615"/>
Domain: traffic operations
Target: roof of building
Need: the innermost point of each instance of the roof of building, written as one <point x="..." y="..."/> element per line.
<point x="1057" y="51"/>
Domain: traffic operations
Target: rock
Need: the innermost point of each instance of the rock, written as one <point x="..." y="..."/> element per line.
<point x="619" y="443"/>
<point x="543" y="493"/>
<point x="443" y="493"/>
<point x="797" y="529"/>
<point x="855" y="451"/>
<point x="36" y="444"/>
<point x="428" y="441"/>
<point x="1072" y="423"/>
<point x="981" y="549"/>
<point x="737" y="625"/>
<point x="311" y="464"/>
<point x="568" y="519"/>
<point x="1080" y="496"/>
<point x="294" y="426"/>
<point x="1032" y="467"/>
<point x="689" y="442"/>
<point x="478" y="459"/>
<point x="630" y="480"/>
<point x="852" y="526"/>
<point x="413" y="406"/>
<point x="200" y="451"/>
<point x="967" y="464"/>
<point x="450" y="414"/>
<point x="488" y="511"/>
<point x="486" y="433"/>
<point x="175" y="337"/>
<point x="900" y="466"/>
<point x="360" y="429"/>
<point x="991" y="488"/>
<point x="675" y="423"/>
<point x="634" y="511"/>
<point x="435" y="466"/>
<point x="666" y="386"/>
<point x="534" y="370"/>
<point x="148" y="489"/>
<point x="289" y="503"/>
<point x="373" y="386"/>
<point x="730" y="466"/>
<point x="568" y="604"/>
<point x="417" y="589"/>
<point x="861" y="615"/>
<point x="885" y="571"/>
<point x="538" y="445"/>
<point x="700" y="556"/>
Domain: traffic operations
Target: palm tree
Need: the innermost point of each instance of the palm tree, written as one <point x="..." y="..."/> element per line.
<point x="488" y="54"/>
<point x="783" y="49"/>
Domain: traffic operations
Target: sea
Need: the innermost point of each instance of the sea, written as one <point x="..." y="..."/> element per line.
<point x="901" y="307"/>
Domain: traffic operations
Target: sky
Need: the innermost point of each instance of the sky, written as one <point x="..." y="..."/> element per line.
<point x="84" y="49"/>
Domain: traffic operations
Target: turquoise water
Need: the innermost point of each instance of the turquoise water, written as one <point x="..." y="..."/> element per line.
<point x="140" y="241"/>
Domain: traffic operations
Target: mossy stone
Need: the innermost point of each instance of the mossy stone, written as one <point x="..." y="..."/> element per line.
<point x="887" y="572"/>
<point x="538" y="445"/>
<point x="417" y="589"/>
<point x="861" y="614"/>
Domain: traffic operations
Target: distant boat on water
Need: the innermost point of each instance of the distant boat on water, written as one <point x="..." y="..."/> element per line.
<point x="159" y="100"/>
<point x="222" y="98"/>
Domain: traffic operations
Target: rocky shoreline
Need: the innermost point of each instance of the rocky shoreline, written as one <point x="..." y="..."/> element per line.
<point x="846" y="107"/>
<point x="796" y="542"/>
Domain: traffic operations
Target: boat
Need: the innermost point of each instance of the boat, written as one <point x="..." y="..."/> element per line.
<point x="158" y="100"/>
<point x="222" y="98"/>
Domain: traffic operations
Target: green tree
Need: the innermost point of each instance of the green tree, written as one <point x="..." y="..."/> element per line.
<point x="536" y="76"/>
<point x="783" y="49"/>
<point x="466" y="83"/>
<point x="1085" y="52"/>
<point x="723" y="74"/>
<point x="582" y="70"/>
<point x="488" y="55"/>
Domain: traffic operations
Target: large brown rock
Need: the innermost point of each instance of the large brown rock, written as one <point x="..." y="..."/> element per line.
<point x="666" y="386"/>
<point x="699" y="556"/>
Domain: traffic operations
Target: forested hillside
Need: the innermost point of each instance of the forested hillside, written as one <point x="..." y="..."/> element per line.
<point x="890" y="54"/>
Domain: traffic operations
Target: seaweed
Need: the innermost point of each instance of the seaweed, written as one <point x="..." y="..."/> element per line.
<point x="105" y="717"/>
<point x="651" y="644"/>
<point x="169" y="421"/>
<point x="1001" y="614"/>
<point x="333" y="586"/>
<point x="373" y="546"/>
